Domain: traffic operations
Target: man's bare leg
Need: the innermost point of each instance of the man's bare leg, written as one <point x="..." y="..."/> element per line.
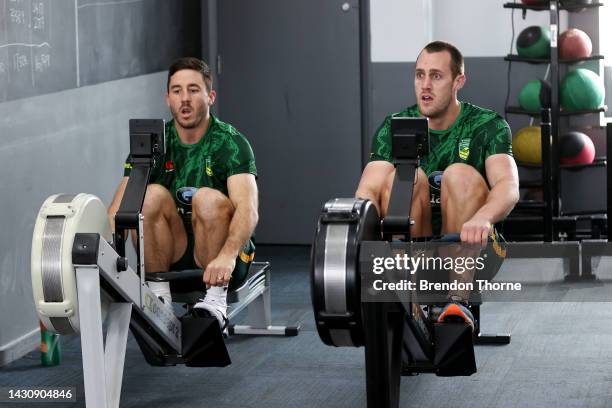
<point x="212" y="213"/>
<point x="463" y="192"/>
<point x="165" y="240"/>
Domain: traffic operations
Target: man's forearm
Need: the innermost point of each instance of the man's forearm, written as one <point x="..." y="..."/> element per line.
<point x="241" y="228"/>
<point x="500" y="202"/>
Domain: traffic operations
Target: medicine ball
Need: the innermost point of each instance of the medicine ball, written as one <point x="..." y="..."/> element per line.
<point x="527" y="145"/>
<point x="535" y="95"/>
<point x="582" y="89"/>
<point x="576" y="148"/>
<point x="574" y="43"/>
<point x="534" y="42"/>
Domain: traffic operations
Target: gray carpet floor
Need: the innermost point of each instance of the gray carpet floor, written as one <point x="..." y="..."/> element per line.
<point x="560" y="356"/>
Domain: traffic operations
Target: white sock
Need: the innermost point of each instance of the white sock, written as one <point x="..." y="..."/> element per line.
<point x="218" y="293"/>
<point x="215" y="302"/>
<point x="161" y="290"/>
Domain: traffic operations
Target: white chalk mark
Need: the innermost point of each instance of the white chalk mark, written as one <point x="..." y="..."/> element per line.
<point x="44" y="44"/>
<point x="109" y="3"/>
<point x="8" y="70"/>
<point x="31" y="53"/>
<point x="76" y="31"/>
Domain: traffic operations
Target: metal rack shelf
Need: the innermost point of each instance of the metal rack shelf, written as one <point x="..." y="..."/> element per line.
<point x="516" y="58"/>
<point x="520" y="111"/>
<point x="546" y="7"/>
<point x="550" y="122"/>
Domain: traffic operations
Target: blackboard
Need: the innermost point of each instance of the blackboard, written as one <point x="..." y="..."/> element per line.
<point x="52" y="45"/>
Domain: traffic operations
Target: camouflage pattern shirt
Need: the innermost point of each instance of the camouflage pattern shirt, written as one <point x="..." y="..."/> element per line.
<point x="476" y="134"/>
<point x="221" y="153"/>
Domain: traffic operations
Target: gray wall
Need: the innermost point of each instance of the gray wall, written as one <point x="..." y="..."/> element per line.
<point x="67" y="142"/>
<point x="393" y="86"/>
<point x="295" y="94"/>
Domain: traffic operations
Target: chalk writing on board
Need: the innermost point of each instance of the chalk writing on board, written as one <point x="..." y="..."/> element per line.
<point x="26" y="43"/>
<point x="53" y="45"/>
<point x="108" y="3"/>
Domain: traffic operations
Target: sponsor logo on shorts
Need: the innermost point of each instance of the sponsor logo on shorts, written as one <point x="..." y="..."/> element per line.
<point x="435" y="183"/>
<point x="247" y="258"/>
<point x="184" y="195"/>
<point x="497" y="247"/>
<point x="435" y="180"/>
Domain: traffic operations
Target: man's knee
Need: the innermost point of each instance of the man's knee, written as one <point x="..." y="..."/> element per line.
<point x="156" y="199"/>
<point x="210" y="204"/>
<point x="421" y="186"/>
<point x="464" y="181"/>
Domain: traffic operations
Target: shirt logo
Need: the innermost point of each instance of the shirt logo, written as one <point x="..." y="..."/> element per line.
<point x="169" y="166"/>
<point x="464" y="148"/>
<point x="208" y="167"/>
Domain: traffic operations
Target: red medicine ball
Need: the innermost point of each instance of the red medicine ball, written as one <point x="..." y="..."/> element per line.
<point x="576" y="148"/>
<point x="574" y="43"/>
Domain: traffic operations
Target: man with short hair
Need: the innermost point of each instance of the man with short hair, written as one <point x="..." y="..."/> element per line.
<point x="201" y="204"/>
<point x="469" y="180"/>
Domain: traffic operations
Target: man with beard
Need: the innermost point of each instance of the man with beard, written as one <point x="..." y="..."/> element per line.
<point x="468" y="181"/>
<point x="200" y="207"/>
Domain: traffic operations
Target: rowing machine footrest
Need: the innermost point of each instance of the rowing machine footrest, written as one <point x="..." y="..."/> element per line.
<point x="454" y="350"/>
<point x="203" y="344"/>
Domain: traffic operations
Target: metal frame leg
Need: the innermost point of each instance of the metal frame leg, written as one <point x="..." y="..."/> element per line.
<point x="114" y="353"/>
<point x="102" y="367"/>
<point x="260" y="315"/>
<point x="486" y="338"/>
<point x="383" y="353"/>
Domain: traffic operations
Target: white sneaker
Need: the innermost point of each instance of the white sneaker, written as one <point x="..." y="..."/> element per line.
<point x="215" y="302"/>
<point x="162" y="291"/>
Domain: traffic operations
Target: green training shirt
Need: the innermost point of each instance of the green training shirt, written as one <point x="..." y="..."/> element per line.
<point x="222" y="152"/>
<point x="476" y="134"/>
